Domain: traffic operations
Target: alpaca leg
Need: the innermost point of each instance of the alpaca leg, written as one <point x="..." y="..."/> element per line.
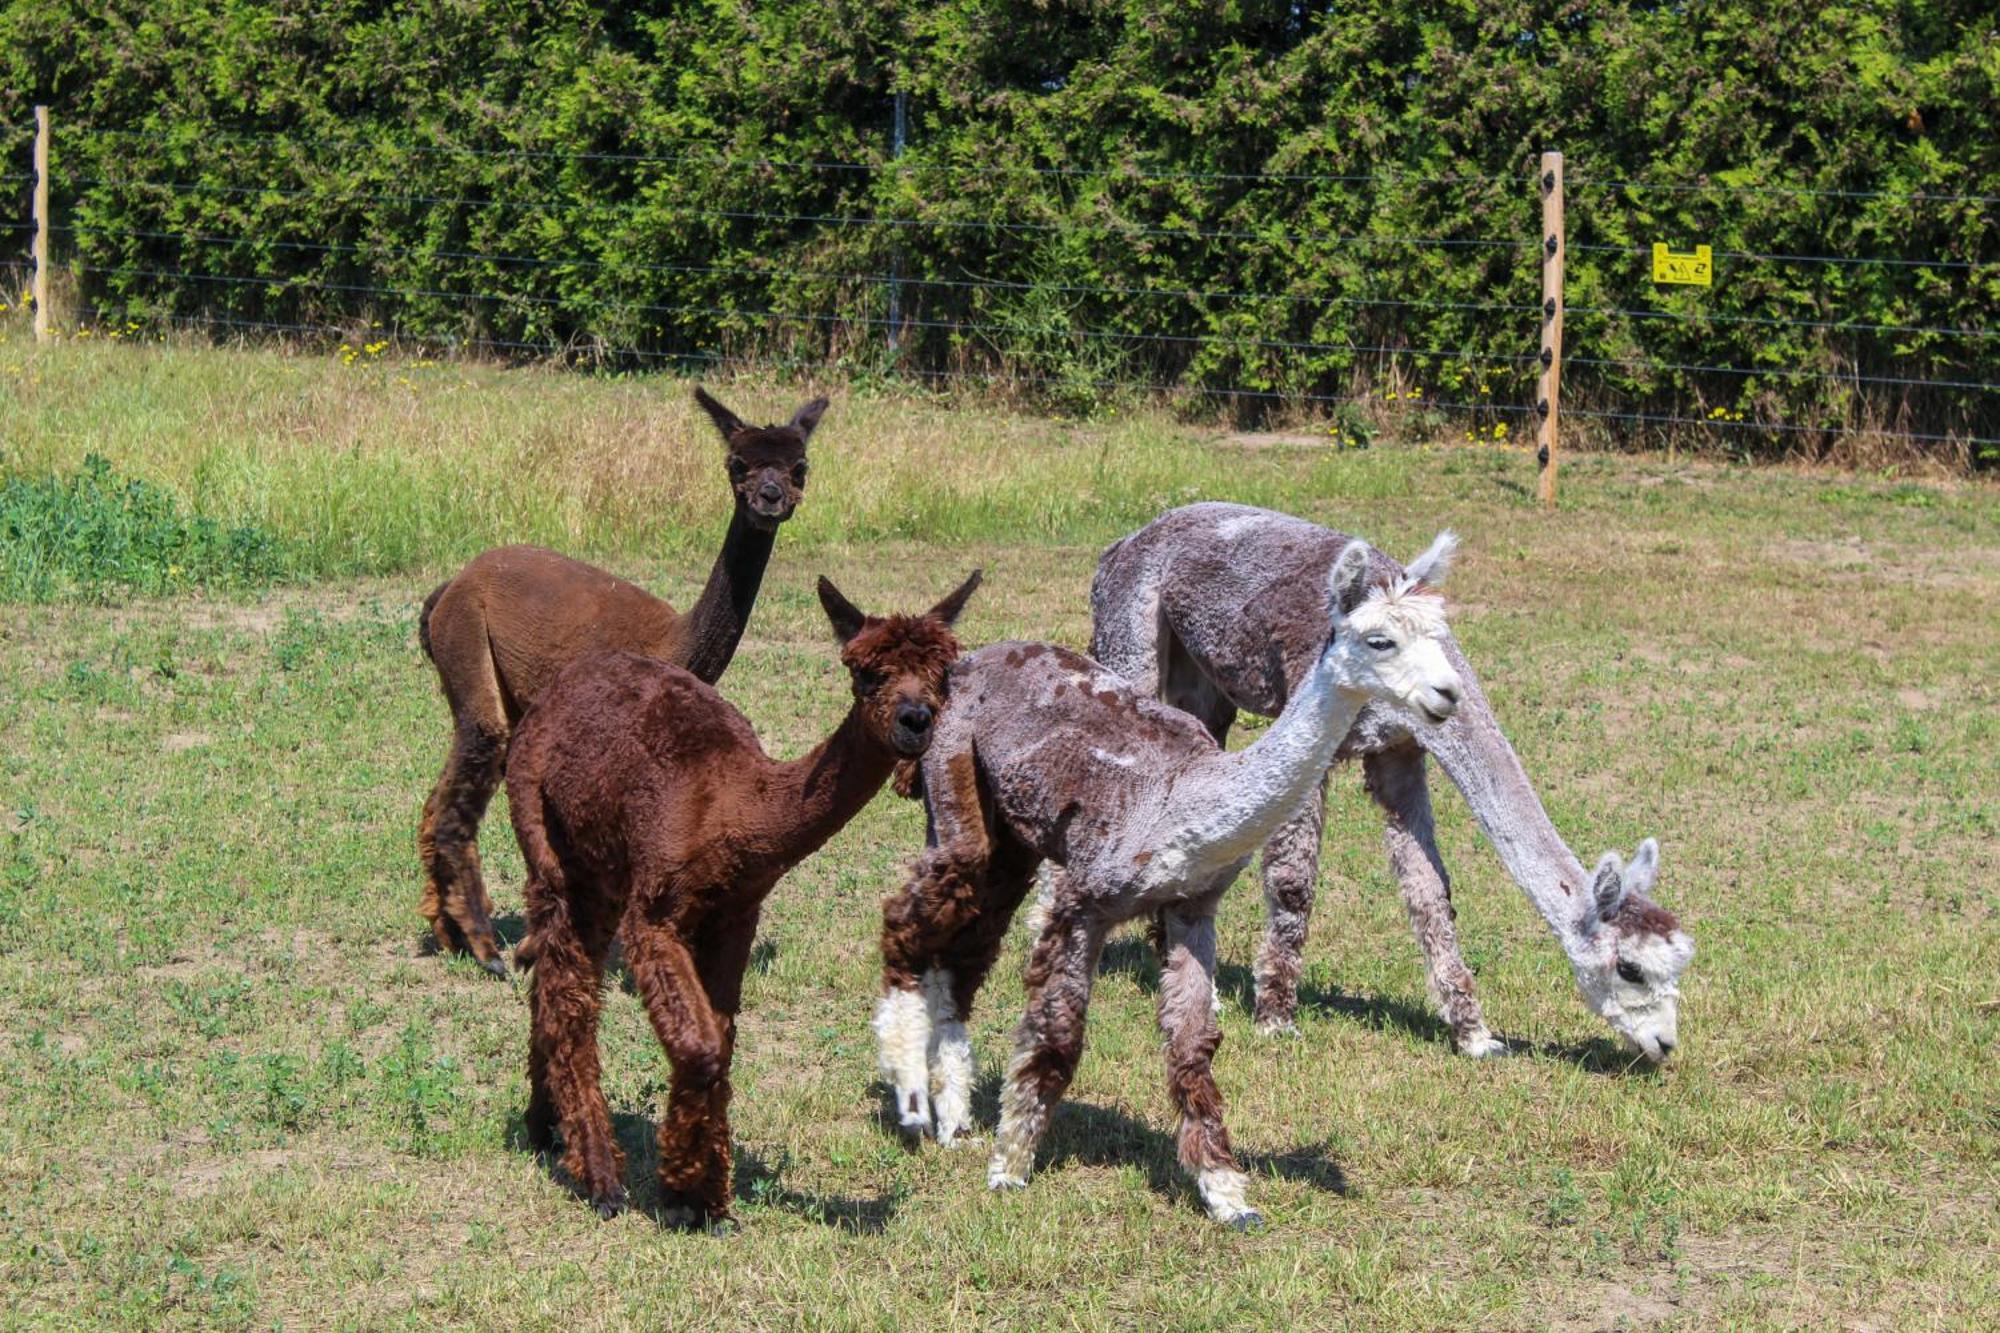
<point x="1048" y="1045"/>
<point x="455" y="900"/>
<point x="563" y="1067"/>
<point x="722" y="959"/>
<point x="1396" y="781"/>
<point x="950" y="988"/>
<point x="1291" y="872"/>
<point x="694" y="1157"/>
<point x="942" y="900"/>
<point x="1187" y="1019"/>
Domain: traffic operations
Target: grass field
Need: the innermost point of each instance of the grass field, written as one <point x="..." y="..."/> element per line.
<point x="238" y="1094"/>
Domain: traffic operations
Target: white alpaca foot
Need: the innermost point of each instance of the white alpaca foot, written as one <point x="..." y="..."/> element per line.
<point x="1482" y="1045"/>
<point x="1223" y="1191"/>
<point x="902" y="1038"/>
<point x="952" y="1065"/>
<point x="1277" y="1027"/>
<point x="1009" y="1167"/>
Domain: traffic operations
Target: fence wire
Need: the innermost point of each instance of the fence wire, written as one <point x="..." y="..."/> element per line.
<point x="876" y="282"/>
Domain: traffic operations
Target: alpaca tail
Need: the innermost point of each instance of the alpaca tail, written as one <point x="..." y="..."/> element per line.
<point x="547" y="889"/>
<point x="424" y="619"/>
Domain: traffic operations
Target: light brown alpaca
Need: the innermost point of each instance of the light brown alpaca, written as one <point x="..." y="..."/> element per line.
<point x="646" y="809"/>
<point x="500" y="630"/>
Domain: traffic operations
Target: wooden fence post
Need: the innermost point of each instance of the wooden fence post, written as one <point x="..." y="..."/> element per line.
<point x="901" y="135"/>
<point x="41" y="250"/>
<point x="1549" y="391"/>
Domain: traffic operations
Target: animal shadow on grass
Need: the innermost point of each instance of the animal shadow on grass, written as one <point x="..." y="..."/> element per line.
<point x="1093" y="1135"/>
<point x="1132" y="955"/>
<point x="1097" y="1136"/>
<point x="758" y="1183"/>
<point x="509" y="929"/>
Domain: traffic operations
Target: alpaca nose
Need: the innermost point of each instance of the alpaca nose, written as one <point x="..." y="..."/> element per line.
<point x="1449" y="693"/>
<point x="914" y="717"/>
<point x="770" y="492"/>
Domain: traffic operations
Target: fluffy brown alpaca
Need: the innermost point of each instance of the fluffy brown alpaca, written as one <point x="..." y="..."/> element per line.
<point x="500" y="630"/>
<point x="1044" y="755"/>
<point x="646" y="809"/>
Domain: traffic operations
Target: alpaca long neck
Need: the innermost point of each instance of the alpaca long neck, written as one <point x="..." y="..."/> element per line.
<point x="813" y="797"/>
<point x="1475" y="755"/>
<point x="714" y="626"/>
<point x="1243" y="797"/>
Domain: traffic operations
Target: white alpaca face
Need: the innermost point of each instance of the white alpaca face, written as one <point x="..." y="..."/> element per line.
<point x="1631" y="973"/>
<point x="1394" y="647"/>
<point x="1390" y="647"/>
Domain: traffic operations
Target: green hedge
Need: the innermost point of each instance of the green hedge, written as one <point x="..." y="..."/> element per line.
<point x="1198" y="148"/>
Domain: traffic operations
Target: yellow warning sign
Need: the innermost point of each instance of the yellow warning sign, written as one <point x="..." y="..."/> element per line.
<point x="1694" y="270"/>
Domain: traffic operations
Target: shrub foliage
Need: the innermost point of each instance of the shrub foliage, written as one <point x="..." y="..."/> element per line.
<point x="96" y="536"/>
<point x="1081" y="178"/>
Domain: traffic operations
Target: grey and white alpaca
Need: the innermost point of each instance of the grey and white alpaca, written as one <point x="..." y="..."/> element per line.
<point x="1214" y="608"/>
<point x="1043" y="755"/>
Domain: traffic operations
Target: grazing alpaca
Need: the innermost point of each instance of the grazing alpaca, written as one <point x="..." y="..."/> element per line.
<point x="1045" y="755"/>
<point x="1211" y="608"/>
<point x="500" y="630"/>
<point x="645" y="808"/>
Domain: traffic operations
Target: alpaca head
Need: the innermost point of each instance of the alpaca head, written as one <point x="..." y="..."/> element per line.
<point x="1633" y="954"/>
<point x="1388" y="634"/>
<point x="767" y="464"/>
<point x="898" y="664"/>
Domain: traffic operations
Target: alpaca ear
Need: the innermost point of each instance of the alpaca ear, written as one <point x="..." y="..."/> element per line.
<point x="1607" y="885"/>
<point x="725" y="420"/>
<point x="1347" y="581"/>
<point x="1645" y="867"/>
<point x="808" y="417"/>
<point x="1435" y="563"/>
<point x="948" y="609"/>
<point x="847" y="618"/>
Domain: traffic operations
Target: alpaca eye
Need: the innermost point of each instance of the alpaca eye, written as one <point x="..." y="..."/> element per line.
<point x="1630" y="972"/>
<point x="798" y="474"/>
<point x="738" y="469"/>
<point x="1380" y="643"/>
<point x="867" y="681"/>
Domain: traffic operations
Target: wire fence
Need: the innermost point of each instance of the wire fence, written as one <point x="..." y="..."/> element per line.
<point x="1273" y="296"/>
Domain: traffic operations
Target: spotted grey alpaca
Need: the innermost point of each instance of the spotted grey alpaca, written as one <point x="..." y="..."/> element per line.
<point x="1042" y="754"/>
<point x="1213" y="607"/>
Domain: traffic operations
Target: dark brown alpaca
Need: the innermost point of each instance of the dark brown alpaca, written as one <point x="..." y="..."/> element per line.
<point x="506" y="624"/>
<point x="646" y="810"/>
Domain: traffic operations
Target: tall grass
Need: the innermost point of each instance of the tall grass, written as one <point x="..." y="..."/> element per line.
<point x="386" y="466"/>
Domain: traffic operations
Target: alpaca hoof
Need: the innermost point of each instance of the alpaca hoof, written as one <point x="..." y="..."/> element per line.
<point x="998" y="1183"/>
<point x="1251" y="1221"/>
<point x="681" y="1217"/>
<point x="497" y="966"/>
<point x="1277" y="1027"/>
<point x="1482" y="1046"/>
<point x="609" y="1206"/>
<point x="721" y="1227"/>
<point x="913" y="1130"/>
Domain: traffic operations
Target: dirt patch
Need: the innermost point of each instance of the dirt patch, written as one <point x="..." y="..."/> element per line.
<point x="260" y="619"/>
<point x="176" y="741"/>
<point x="1255" y="440"/>
<point x="1608" y="1305"/>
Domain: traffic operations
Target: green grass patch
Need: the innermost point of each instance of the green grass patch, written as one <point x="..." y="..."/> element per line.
<point x="240" y="1095"/>
<point x="94" y="535"/>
